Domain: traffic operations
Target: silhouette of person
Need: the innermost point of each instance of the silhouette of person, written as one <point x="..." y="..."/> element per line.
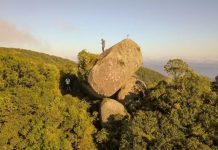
<point x="103" y="44"/>
<point x="67" y="81"/>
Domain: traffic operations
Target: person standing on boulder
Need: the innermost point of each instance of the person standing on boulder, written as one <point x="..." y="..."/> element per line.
<point x="103" y="44"/>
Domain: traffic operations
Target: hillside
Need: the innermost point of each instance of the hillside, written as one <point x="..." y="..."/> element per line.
<point x="150" y="77"/>
<point x="37" y="57"/>
<point x="32" y="85"/>
<point x="34" y="112"/>
<point x="39" y="111"/>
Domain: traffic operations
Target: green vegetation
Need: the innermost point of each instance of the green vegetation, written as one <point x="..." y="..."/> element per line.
<point x="39" y="58"/>
<point x="177" y="68"/>
<point x="215" y="84"/>
<point x="36" y="111"/>
<point x="86" y="62"/>
<point x="33" y="112"/>
<point x="179" y="114"/>
<point x="149" y="77"/>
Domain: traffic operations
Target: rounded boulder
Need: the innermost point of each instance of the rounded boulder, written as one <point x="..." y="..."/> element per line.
<point x="115" y="66"/>
<point x="111" y="107"/>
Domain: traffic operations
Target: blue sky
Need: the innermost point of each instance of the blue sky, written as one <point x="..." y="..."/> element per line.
<point x="164" y="29"/>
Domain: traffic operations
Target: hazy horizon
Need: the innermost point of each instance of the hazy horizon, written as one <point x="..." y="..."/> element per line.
<point x="163" y="29"/>
<point x="209" y="69"/>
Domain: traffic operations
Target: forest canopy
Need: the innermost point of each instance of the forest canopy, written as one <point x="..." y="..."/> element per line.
<point x="36" y="111"/>
<point x="33" y="112"/>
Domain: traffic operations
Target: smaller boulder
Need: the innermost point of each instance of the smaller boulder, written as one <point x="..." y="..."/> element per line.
<point x="110" y="107"/>
<point x="131" y="90"/>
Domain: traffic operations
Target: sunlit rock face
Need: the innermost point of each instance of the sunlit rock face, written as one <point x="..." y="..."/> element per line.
<point x="110" y="107"/>
<point x="115" y="66"/>
<point x="132" y="90"/>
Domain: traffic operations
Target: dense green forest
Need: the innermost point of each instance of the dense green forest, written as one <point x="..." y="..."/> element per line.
<point x="34" y="114"/>
<point x="37" y="111"/>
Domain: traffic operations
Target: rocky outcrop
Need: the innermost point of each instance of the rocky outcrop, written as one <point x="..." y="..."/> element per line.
<point x="115" y="66"/>
<point x="110" y="107"/>
<point x="131" y="90"/>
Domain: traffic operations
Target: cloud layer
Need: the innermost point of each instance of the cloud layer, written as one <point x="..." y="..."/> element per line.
<point x="11" y="36"/>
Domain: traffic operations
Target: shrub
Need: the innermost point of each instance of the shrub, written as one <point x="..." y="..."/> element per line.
<point x="86" y="63"/>
<point x="33" y="113"/>
<point x="179" y="114"/>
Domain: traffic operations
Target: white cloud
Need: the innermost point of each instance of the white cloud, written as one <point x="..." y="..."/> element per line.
<point x="11" y="36"/>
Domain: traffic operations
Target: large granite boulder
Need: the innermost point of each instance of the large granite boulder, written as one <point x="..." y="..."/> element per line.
<point x="114" y="67"/>
<point x="133" y="89"/>
<point x="110" y="107"/>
